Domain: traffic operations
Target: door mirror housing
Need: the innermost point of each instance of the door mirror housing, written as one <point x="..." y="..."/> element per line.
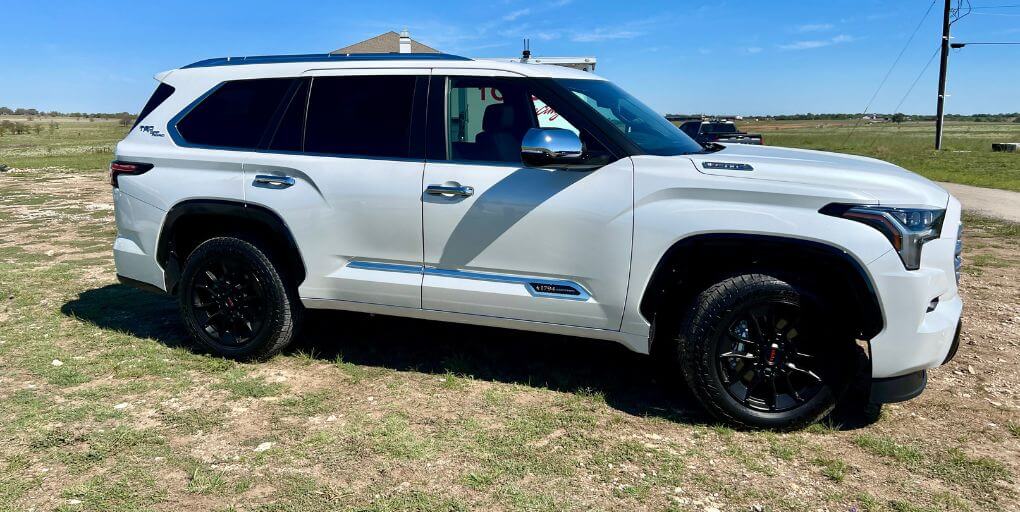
<point x="552" y="147"/>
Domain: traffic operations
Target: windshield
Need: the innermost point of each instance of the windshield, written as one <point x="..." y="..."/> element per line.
<point x="641" y="125"/>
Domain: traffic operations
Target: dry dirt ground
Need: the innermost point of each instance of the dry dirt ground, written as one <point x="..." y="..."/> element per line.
<point x="104" y="405"/>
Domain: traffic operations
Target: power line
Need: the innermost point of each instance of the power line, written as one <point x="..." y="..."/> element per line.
<point x="959" y="8"/>
<point x="891" y="68"/>
<point x="919" y="75"/>
<point x="911" y="88"/>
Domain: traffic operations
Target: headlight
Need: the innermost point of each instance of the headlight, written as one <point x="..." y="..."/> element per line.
<point x="907" y="228"/>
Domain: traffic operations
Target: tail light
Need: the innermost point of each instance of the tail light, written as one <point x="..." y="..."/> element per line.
<point x="118" y="167"/>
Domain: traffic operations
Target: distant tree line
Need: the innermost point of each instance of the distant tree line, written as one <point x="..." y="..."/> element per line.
<point x="22" y="127"/>
<point x="31" y="112"/>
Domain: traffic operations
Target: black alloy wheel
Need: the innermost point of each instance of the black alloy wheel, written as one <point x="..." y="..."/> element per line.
<point x="236" y="302"/>
<point x="766" y="363"/>
<point x="759" y="352"/>
<point x="228" y="301"/>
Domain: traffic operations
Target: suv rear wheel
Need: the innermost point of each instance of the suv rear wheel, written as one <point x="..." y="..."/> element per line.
<point x="759" y="352"/>
<point x="234" y="301"/>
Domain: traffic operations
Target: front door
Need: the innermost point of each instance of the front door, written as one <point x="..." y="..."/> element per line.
<point x="509" y="241"/>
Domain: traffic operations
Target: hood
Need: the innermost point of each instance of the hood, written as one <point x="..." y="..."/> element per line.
<point x="887" y="183"/>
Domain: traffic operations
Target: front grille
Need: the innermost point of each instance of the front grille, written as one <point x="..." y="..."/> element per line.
<point x="958" y="258"/>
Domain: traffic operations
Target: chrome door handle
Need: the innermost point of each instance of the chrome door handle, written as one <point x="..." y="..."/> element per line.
<point x="450" y="190"/>
<point x="274" y="181"/>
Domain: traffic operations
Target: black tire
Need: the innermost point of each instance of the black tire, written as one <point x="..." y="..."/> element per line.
<point x="235" y="302"/>
<point x="760" y="353"/>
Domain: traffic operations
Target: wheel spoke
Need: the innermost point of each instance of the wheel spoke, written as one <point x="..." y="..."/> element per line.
<point x="775" y="392"/>
<point x="204" y="285"/>
<point x="755" y="382"/>
<point x="214" y="317"/>
<point x="202" y="306"/>
<point x="793" y="390"/>
<point x="210" y="276"/>
<point x="809" y="373"/>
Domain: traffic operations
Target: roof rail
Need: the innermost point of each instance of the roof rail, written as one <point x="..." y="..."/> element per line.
<point x="319" y="57"/>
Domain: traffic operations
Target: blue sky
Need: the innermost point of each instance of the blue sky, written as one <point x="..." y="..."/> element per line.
<point x="717" y="56"/>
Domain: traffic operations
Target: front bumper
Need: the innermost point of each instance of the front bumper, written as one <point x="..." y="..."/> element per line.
<point x="921" y="308"/>
<point x="906" y="387"/>
<point x="914" y="338"/>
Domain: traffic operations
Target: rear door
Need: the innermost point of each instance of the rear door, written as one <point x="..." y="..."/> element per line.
<point x="511" y="241"/>
<point x="344" y="170"/>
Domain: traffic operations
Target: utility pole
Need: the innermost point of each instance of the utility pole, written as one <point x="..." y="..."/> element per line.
<point x="943" y="69"/>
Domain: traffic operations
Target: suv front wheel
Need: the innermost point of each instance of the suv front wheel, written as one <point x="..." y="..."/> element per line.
<point x="234" y="301"/>
<point x="759" y="352"/>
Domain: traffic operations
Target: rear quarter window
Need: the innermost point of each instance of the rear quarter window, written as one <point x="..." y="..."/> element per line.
<point x="162" y="92"/>
<point x="235" y="115"/>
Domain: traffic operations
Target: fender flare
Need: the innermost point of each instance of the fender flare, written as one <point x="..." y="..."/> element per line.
<point x="686" y="249"/>
<point x="170" y="261"/>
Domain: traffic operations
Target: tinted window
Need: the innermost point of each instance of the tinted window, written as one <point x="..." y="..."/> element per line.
<point x="720" y="128"/>
<point x="289" y="135"/>
<point x="158" y="97"/>
<point x="691" y="128"/>
<point x="360" y="115"/>
<point x="488" y="118"/>
<point x="236" y="114"/>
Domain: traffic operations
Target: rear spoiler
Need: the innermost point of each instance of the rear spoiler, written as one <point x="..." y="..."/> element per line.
<point x="161" y="76"/>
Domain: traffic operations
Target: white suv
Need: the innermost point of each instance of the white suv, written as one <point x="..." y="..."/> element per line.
<point x="537" y="198"/>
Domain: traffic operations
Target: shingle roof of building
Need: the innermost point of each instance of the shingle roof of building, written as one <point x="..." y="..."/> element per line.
<point x="388" y="42"/>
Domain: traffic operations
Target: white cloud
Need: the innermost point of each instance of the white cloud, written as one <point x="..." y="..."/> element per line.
<point x="815" y="27"/>
<point x="517" y="14"/>
<point x="603" y="34"/>
<point x="817" y="43"/>
<point x="753" y="49"/>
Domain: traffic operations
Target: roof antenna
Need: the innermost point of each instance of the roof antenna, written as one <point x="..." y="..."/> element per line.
<point x="526" y="54"/>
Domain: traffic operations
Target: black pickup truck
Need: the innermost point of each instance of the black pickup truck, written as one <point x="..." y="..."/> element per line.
<point x="719" y="131"/>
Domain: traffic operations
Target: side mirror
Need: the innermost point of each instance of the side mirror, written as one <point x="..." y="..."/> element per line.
<point x="551" y="147"/>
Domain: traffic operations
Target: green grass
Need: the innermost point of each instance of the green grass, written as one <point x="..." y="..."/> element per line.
<point x="951" y="466"/>
<point x="1014" y="429"/>
<point x="833" y="469"/>
<point x="74" y="145"/>
<point x="966" y="158"/>
<point x="887" y="447"/>
<point x="997" y="230"/>
<point x="241" y="385"/>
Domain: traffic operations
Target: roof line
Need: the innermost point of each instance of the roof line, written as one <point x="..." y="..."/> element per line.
<point x="320" y="57"/>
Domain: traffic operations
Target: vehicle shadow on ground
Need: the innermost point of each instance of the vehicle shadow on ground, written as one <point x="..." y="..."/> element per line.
<point x="629" y="382"/>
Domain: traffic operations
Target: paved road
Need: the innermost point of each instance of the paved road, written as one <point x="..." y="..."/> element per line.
<point x="1001" y="204"/>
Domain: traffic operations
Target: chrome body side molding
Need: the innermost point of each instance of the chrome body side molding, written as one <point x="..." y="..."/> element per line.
<point x="537" y="286"/>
